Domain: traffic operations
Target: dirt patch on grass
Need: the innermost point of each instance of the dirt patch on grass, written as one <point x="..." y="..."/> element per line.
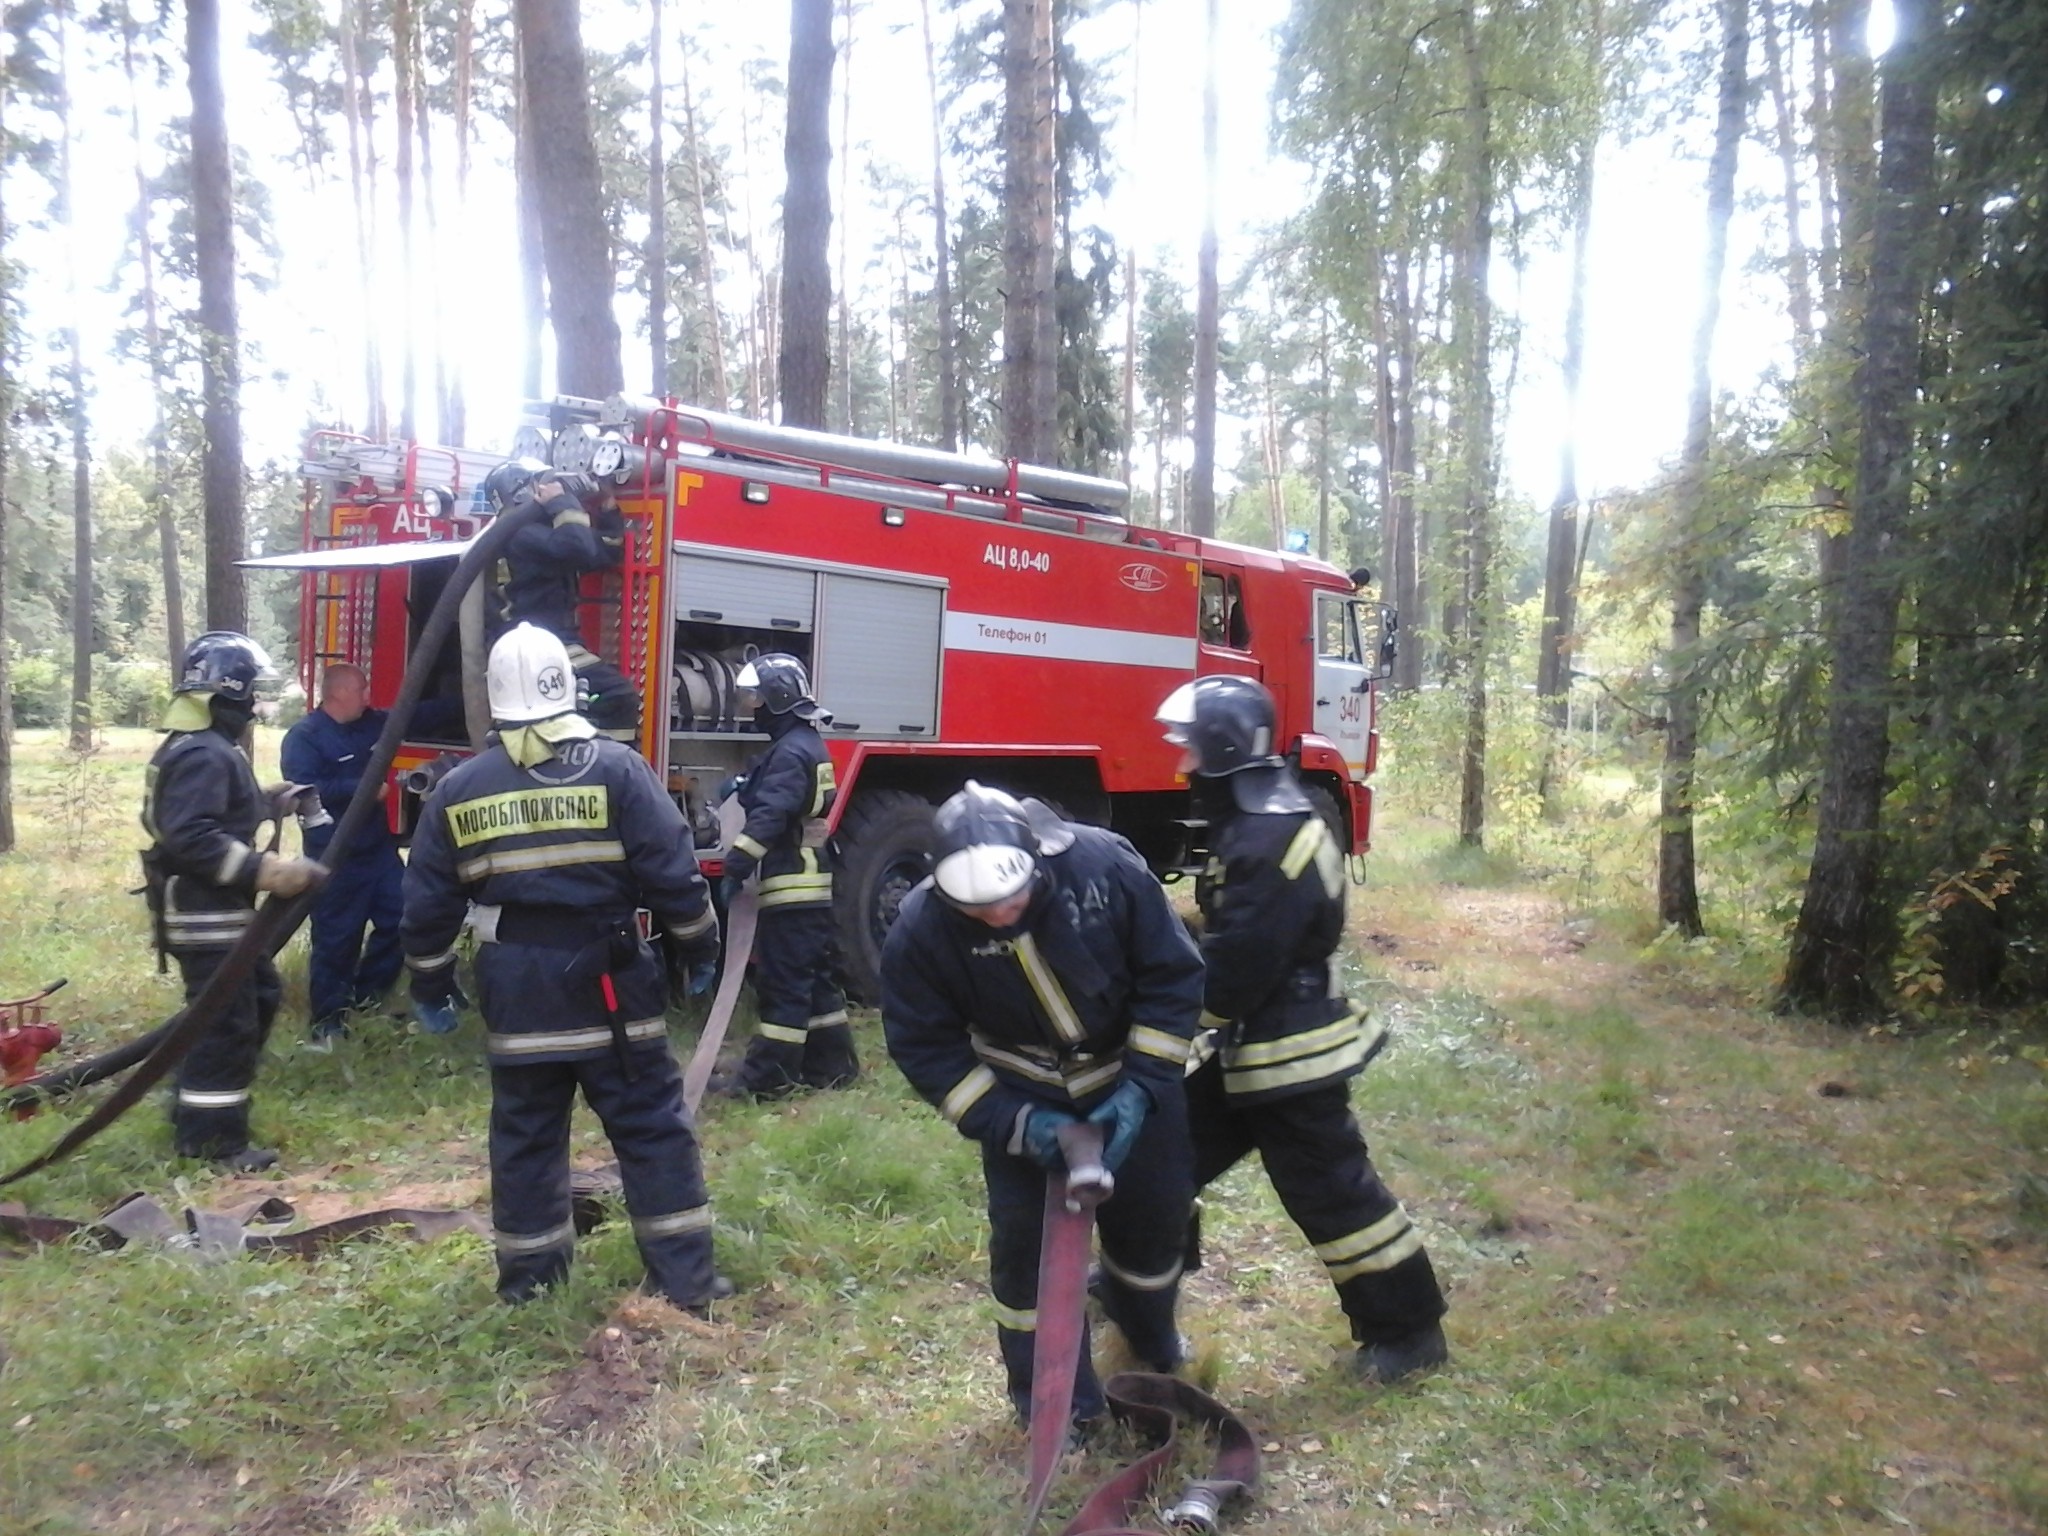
<point x="625" y="1361"/>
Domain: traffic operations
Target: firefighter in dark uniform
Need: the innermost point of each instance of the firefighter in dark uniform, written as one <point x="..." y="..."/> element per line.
<point x="1034" y="981"/>
<point x="329" y="749"/>
<point x="542" y="576"/>
<point x="1286" y="1041"/>
<point x="557" y="835"/>
<point x="803" y="1038"/>
<point x="202" y="809"/>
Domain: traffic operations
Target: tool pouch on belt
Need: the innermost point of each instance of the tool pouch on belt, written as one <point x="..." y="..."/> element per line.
<point x="602" y="959"/>
<point x="156" y="886"/>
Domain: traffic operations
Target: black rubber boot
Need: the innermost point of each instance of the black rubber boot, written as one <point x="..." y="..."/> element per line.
<point x="248" y="1160"/>
<point x="1183" y="1346"/>
<point x="829" y="1059"/>
<point x="773" y="1069"/>
<point x="1398" y="1359"/>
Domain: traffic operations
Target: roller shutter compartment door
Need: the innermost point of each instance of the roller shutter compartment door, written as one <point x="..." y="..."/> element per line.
<point x="878" y="655"/>
<point x="747" y="594"/>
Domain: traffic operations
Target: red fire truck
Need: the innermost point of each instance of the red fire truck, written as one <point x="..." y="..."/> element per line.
<point x="962" y="618"/>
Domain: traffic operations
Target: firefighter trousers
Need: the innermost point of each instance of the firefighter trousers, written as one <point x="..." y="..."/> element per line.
<point x="210" y="1099"/>
<point x="1316" y="1156"/>
<point x="641" y="1108"/>
<point x="803" y="1037"/>
<point x="344" y="972"/>
<point x="1142" y="1229"/>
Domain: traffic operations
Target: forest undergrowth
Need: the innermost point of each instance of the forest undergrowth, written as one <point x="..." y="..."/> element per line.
<point x="1710" y="1269"/>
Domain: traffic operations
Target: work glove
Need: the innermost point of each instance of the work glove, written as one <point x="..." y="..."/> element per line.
<point x="728" y="786"/>
<point x="702" y="978"/>
<point x="286" y="876"/>
<point x="1041" y="1137"/>
<point x="435" y="996"/>
<point x="1122" y="1117"/>
<point x="609" y="524"/>
<point x="696" y="949"/>
<point x="740" y="866"/>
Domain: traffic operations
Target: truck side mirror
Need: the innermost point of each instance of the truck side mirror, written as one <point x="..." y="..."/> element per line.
<point x="1390" y="640"/>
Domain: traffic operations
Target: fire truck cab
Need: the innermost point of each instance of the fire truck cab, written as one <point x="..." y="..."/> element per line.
<point x="961" y="617"/>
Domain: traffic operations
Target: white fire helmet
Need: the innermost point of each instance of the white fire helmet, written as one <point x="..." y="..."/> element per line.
<point x="530" y="677"/>
<point x="984" y="850"/>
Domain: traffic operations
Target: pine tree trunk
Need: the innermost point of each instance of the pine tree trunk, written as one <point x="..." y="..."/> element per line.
<point x="6" y="461"/>
<point x="845" y="203"/>
<point x="430" y="258"/>
<point x="805" y="357"/>
<point x="657" y="215"/>
<point x="757" y="293"/>
<point x="533" y="285"/>
<point x="361" y="197"/>
<point x="153" y="343"/>
<point x="1838" y="946"/>
<point x="1410" y="591"/>
<point x="1560" y="595"/>
<point x="575" y="242"/>
<point x="1208" y="298"/>
<point x="408" y="263"/>
<point x="213" y="241"/>
<point x="1030" y="236"/>
<point x="714" y="323"/>
<point x="465" y="35"/>
<point x="949" y="366"/>
<point x="1475" y="362"/>
<point x="81" y="429"/>
<point x="1798" y="281"/>
<point x="1323" y="430"/>
<point x="1678" y="897"/>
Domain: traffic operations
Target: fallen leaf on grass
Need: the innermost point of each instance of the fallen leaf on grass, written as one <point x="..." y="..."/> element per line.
<point x="1311" y="1447"/>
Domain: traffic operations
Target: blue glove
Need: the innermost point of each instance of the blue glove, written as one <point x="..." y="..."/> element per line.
<point x="435" y="1018"/>
<point x="436" y="1000"/>
<point x="1042" y="1137"/>
<point x="1122" y="1116"/>
<point x="729" y="890"/>
<point x="702" y="978"/>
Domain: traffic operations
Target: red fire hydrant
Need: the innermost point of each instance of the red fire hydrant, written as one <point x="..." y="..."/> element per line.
<point x="24" y="1040"/>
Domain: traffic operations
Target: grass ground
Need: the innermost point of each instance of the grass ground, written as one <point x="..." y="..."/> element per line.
<point x="1710" y="1269"/>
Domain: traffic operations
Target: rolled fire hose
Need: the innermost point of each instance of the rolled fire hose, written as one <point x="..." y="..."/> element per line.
<point x="1071" y="1195"/>
<point x="277" y="919"/>
<point x="740" y="915"/>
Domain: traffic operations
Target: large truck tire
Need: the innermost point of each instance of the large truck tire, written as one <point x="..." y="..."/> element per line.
<point x="1325" y="801"/>
<point x="885" y="849"/>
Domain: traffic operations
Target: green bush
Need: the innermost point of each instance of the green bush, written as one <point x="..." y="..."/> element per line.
<point x="131" y="692"/>
<point x="42" y="693"/>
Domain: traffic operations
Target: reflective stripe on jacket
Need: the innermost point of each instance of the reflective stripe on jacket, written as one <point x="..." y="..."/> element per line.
<point x="787" y="796"/>
<point x="1100" y="982"/>
<point x="1273" y="908"/>
<point x="202" y="810"/>
<point x="589" y="831"/>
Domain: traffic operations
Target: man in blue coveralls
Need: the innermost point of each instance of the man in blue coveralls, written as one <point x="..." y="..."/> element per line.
<point x="329" y="749"/>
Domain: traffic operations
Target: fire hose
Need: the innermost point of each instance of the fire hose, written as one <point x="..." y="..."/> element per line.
<point x="1153" y="1403"/>
<point x="741" y="914"/>
<point x="156" y="1053"/>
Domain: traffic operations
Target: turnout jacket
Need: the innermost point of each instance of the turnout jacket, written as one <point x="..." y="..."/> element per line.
<point x="331" y="756"/>
<point x="788" y="795"/>
<point x="557" y="857"/>
<point x="545" y="563"/>
<point x="201" y="808"/>
<point x="1098" y="983"/>
<point x="1272" y="903"/>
